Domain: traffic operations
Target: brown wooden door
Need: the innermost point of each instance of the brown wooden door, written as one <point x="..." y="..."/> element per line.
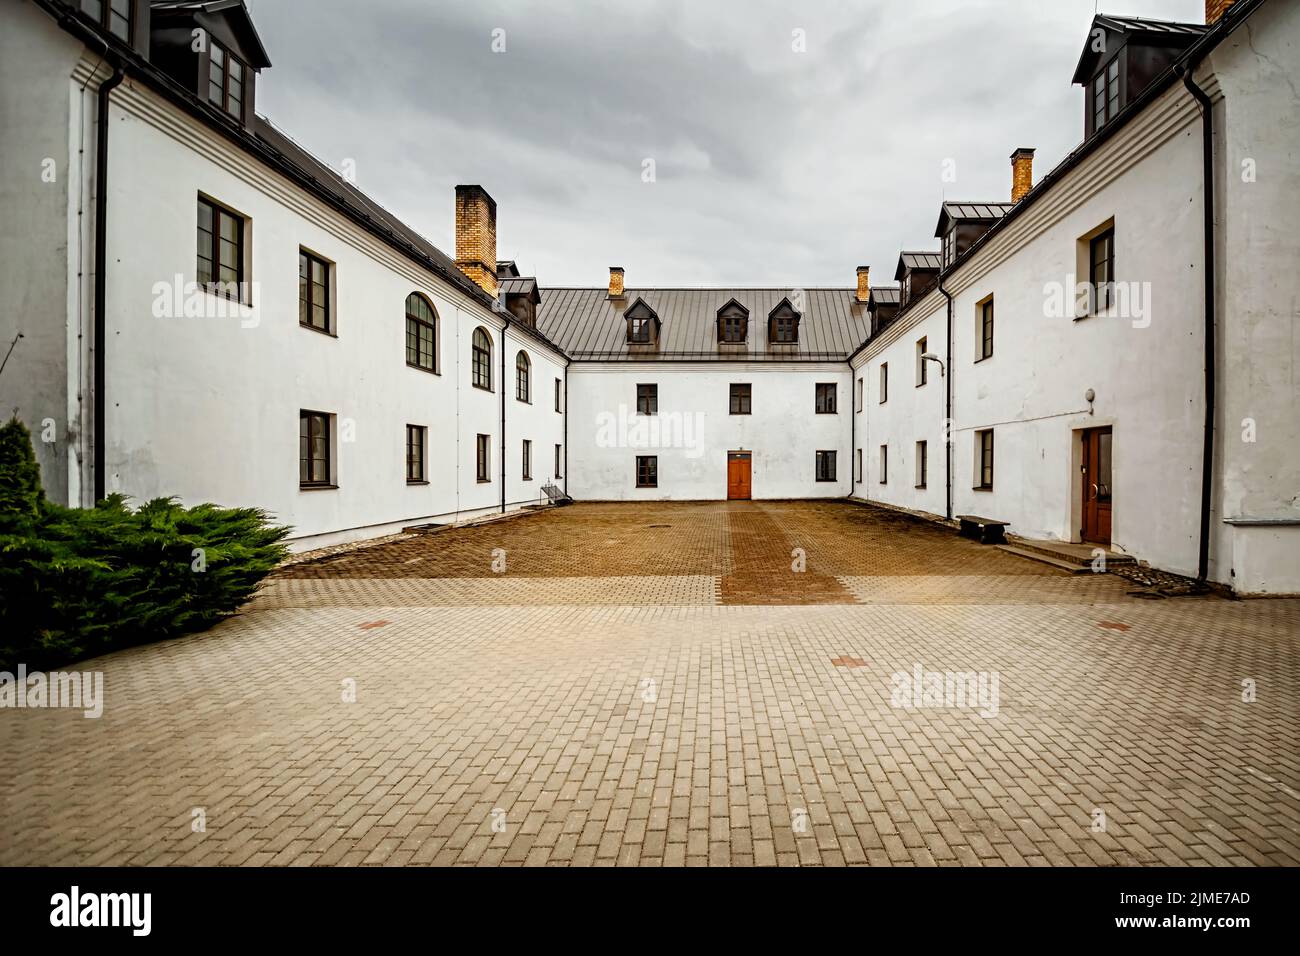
<point x="738" y="475"/>
<point x="1096" y="485"/>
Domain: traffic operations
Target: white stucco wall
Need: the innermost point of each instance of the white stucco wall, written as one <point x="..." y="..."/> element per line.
<point x="783" y="432"/>
<point x="207" y="408"/>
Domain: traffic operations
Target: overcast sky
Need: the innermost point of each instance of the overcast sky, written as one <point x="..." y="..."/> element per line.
<point x="772" y="167"/>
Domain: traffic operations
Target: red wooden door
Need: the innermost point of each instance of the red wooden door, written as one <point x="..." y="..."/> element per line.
<point x="738" y="475"/>
<point x="1096" y="485"/>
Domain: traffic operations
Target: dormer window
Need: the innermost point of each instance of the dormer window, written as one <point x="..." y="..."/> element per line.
<point x="113" y="15"/>
<point x="1105" y="94"/>
<point x="733" y="323"/>
<point x="642" y="325"/>
<point x="783" y="324"/>
<point x="225" y="81"/>
<point x="950" y="246"/>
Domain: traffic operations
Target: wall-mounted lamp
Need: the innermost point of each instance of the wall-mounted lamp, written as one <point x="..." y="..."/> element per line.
<point x="931" y="357"/>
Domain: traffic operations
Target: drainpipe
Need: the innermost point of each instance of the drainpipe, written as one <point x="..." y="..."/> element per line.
<point x="1207" y="185"/>
<point x="503" y="415"/>
<point x="101" y="267"/>
<point x="947" y="422"/>
<point x="564" y="425"/>
<point x="853" y="431"/>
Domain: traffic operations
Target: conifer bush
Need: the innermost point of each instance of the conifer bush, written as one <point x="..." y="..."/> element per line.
<point x="80" y="582"/>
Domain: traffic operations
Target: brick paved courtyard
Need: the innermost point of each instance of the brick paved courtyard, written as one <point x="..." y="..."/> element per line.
<point x="678" y="695"/>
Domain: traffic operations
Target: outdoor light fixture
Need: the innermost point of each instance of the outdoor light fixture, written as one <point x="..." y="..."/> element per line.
<point x="931" y="357"/>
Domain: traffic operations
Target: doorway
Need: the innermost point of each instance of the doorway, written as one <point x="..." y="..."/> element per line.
<point x="1096" y="473"/>
<point x="738" y="475"/>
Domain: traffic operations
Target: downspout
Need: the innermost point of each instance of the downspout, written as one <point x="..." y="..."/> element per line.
<point x="101" y="267"/>
<point x="1207" y="448"/>
<point x="853" y="432"/>
<point x="503" y="415"/>
<point x="564" y="425"/>
<point x="947" y="421"/>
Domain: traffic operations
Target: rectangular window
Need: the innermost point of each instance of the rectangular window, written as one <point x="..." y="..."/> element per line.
<point x="114" y="16"/>
<point x="559" y="391"/>
<point x="984" y="460"/>
<point x="559" y="459"/>
<point x="825" y="466"/>
<point x="647" y="471"/>
<point x="740" y="399"/>
<point x="825" y="400"/>
<point x="922" y="463"/>
<point x="483" y="458"/>
<point x="985" y="330"/>
<point x="638" y="331"/>
<point x="415" y="445"/>
<point x="884" y="464"/>
<point x="733" y="327"/>
<point x="884" y="382"/>
<point x="1105" y="95"/>
<point x="785" y="330"/>
<point x="922" y="373"/>
<point x="527" y="455"/>
<point x="313" y="292"/>
<point x="1101" y="270"/>
<point x="220" y="250"/>
<point x="949" y="246"/>
<point x="858" y="402"/>
<point x="857" y="467"/>
<point x="647" y="399"/>
<point x="314" y="449"/>
<point x="225" y="80"/>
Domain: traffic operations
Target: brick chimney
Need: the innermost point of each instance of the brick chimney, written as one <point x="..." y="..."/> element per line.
<point x="864" y="283"/>
<point x="1022" y="173"/>
<point x="1214" y="9"/>
<point x="616" y="282"/>
<point x="476" y="237"/>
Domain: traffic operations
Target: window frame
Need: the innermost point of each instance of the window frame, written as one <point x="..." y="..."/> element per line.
<point x="310" y="303"/>
<point x="1101" y="304"/>
<point x="825" y="465"/>
<point x="647" y="471"/>
<point x="831" y="407"/>
<point x="985" y="319"/>
<point x="984" y="458"/>
<point x="950" y="246"/>
<point x="649" y="391"/>
<point x="526" y="460"/>
<point x="1107" y="89"/>
<point x="733" y="326"/>
<point x="884" y="464"/>
<point x="559" y="460"/>
<point x="639" y="330"/>
<point x="215" y="285"/>
<point x="857" y="467"/>
<point x="481" y="359"/>
<point x="922" y="373"/>
<point x="922" y="464"/>
<point x="559" y="391"/>
<point x="224" y="67"/>
<point x="308" y="416"/>
<point x="523" y="378"/>
<point x="417" y="440"/>
<point x="884" y="382"/>
<point x="105" y="18"/>
<point x="860" y="393"/>
<point x="483" y="458"/>
<point x="416" y="324"/>
<point x="737" y="398"/>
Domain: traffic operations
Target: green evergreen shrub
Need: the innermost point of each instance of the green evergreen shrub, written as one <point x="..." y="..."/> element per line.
<point x="80" y="582"/>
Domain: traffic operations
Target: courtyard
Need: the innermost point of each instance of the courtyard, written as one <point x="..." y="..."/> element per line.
<point x="679" y="684"/>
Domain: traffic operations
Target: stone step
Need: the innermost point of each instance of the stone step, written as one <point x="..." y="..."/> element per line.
<point x="1073" y="553"/>
<point x="1045" y="558"/>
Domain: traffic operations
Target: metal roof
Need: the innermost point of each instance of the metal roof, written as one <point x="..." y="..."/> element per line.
<point x="885" y="295"/>
<point x="971" y="212"/>
<point x="1167" y="33"/>
<point x="588" y="324"/>
<point x="243" y="23"/>
<point x="917" y="260"/>
<point x="525" y="285"/>
<point x="1143" y="25"/>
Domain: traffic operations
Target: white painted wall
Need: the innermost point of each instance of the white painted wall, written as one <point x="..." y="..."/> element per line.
<point x="783" y="432"/>
<point x="1257" y="174"/>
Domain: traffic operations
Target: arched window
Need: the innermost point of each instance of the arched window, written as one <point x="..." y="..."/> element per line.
<point x="482" y="348"/>
<point x="522" y="367"/>
<point x="421" y="333"/>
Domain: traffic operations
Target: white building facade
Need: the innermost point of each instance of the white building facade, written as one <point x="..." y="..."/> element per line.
<point x="191" y="287"/>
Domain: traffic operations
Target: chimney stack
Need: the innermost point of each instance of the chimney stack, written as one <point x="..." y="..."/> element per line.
<point x="476" y="237"/>
<point x="1022" y="173"/>
<point x="616" y="282"/>
<point x="864" y="283"/>
<point x="1215" y="9"/>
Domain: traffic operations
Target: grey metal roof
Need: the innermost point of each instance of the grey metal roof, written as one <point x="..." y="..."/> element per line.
<point x="917" y="260"/>
<point x="587" y="324"/>
<point x="971" y="212"/>
<point x="525" y="285"/>
<point x="884" y="295"/>
<point x="243" y="23"/>
<point x="1144" y="25"/>
<point x="1166" y="33"/>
